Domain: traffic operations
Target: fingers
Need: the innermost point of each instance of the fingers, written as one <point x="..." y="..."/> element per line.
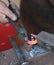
<point x="3" y="19"/>
<point x="13" y="7"/>
<point x="5" y="10"/>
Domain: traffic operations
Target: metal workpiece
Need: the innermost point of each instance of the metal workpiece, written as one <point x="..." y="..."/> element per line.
<point x="22" y="33"/>
<point x="18" y="52"/>
<point x="46" y="40"/>
<point x="12" y="22"/>
<point x="23" y="55"/>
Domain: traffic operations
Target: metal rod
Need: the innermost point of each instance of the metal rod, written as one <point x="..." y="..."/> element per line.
<point x="12" y="22"/>
<point x="17" y="50"/>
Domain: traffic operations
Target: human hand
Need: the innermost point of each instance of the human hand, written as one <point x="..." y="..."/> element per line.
<point x="5" y="11"/>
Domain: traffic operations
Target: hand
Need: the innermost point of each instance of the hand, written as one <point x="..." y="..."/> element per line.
<point x="5" y="11"/>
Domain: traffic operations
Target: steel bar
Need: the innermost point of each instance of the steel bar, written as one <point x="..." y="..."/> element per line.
<point x="18" y="52"/>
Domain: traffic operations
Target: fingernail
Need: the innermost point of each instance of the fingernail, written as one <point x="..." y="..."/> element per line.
<point x="14" y="17"/>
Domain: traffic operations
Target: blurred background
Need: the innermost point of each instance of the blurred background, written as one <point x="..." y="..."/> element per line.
<point x="17" y="2"/>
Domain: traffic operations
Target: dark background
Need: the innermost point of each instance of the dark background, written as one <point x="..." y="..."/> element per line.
<point x="37" y="15"/>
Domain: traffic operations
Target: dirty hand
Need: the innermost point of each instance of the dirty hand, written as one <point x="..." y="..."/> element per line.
<point x="5" y="11"/>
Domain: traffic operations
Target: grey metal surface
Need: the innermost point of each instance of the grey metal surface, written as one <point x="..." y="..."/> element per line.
<point x="35" y="51"/>
<point x="43" y="59"/>
<point x="8" y="57"/>
<point x="46" y="37"/>
<point x="24" y="55"/>
<point x="46" y="40"/>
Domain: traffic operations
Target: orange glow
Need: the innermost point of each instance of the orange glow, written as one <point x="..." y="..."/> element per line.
<point x="33" y="39"/>
<point x="32" y="42"/>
